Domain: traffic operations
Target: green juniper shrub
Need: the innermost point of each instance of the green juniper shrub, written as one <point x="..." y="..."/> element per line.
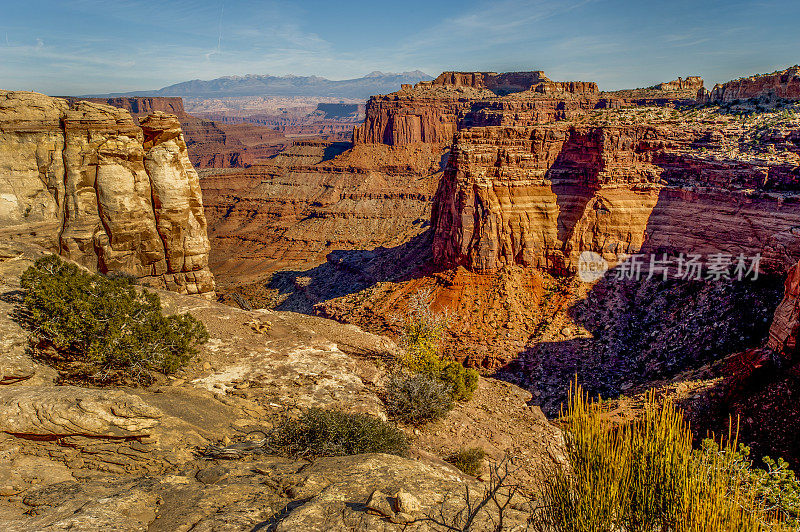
<point x="469" y="460"/>
<point x="463" y="381"/>
<point x="103" y="328"/>
<point x="776" y="488"/>
<point x="417" y="398"/>
<point x="319" y="432"/>
<point x="422" y="340"/>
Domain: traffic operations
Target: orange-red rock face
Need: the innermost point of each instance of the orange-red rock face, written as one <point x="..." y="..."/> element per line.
<point x="539" y="196"/>
<point x="89" y="183"/>
<point x="432" y="111"/>
<point x="532" y="180"/>
<point x="308" y="204"/>
<point x="399" y="120"/>
<point x="510" y="82"/>
<point x="784" y="84"/>
<point x="783" y="333"/>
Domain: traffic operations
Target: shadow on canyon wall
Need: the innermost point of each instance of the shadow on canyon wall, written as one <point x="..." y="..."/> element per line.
<point x="350" y="271"/>
<point x="628" y="333"/>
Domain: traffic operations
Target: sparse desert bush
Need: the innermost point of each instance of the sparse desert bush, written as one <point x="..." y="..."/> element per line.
<point x="417" y="398"/>
<point x="470" y="460"/>
<point x="644" y="476"/>
<point x="776" y="489"/>
<point x="462" y="381"/>
<point x="103" y="328"/>
<point x="423" y="334"/>
<point x="319" y="432"/>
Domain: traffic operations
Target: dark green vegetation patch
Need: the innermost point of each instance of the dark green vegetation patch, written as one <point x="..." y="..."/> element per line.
<point x="103" y="329"/>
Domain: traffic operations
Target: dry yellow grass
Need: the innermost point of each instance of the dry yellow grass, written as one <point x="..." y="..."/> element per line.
<point x="645" y="477"/>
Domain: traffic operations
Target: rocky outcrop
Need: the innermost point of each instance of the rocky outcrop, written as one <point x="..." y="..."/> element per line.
<point x="103" y="191"/>
<point x="130" y="459"/>
<point x="398" y="120"/>
<point x="510" y="82"/>
<point x="402" y="119"/>
<point x="691" y="83"/>
<point x="784" y="84"/>
<point x="212" y="144"/>
<point x="432" y="111"/>
<point x="540" y="196"/>
<point x="783" y="333"/>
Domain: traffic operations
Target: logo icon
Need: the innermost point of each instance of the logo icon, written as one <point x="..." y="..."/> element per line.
<point x="591" y="266"/>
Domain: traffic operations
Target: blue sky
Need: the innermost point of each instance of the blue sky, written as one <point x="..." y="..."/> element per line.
<point x="90" y="46"/>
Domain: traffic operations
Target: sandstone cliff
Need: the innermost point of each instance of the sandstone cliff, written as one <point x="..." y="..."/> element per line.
<point x="691" y="83"/>
<point x="510" y="82"/>
<point x="315" y="200"/>
<point x="783" y="333"/>
<point x="432" y="111"/>
<point x="539" y="196"/>
<point x="137" y="106"/>
<point x="521" y="197"/>
<point x="784" y="84"/>
<point x="95" y="187"/>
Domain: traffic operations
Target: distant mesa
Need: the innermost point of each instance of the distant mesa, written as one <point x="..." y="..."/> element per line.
<point x="511" y="82"/>
<point x="692" y="83"/>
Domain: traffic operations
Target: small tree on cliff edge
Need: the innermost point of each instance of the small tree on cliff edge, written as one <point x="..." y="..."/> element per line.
<point x="103" y="329"/>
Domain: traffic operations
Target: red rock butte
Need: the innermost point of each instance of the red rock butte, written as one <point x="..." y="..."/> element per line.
<point x="432" y="111"/>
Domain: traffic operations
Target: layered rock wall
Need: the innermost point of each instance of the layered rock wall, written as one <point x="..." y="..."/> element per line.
<point x="296" y="213"/>
<point x="432" y="111"/>
<point x="397" y="121"/>
<point x="784" y="84"/>
<point x="691" y="83"/>
<point x="509" y="82"/>
<point x="785" y="327"/>
<point x="103" y="191"/>
<point x="541" y="195"/>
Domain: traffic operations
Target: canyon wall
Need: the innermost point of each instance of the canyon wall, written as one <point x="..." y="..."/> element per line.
<point x="138" y="106"/>
<point x="534" y="196"/>
<point x="541" y="195"/>
<point x="691" y="83"/>
<point x="509" y="82"/>
<point x="432" y="111"/>
<point x="784" y="84"/>
<point x="315" y="200"/>
<point x="783" y="333"/>
<point x="397" y="120"/>
<point x="401" y="119"/>
<point x="90" y="184"/>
